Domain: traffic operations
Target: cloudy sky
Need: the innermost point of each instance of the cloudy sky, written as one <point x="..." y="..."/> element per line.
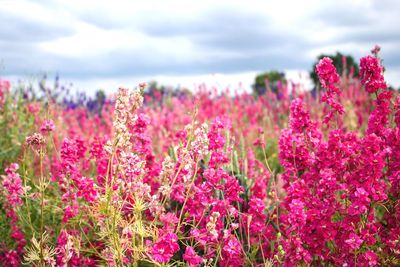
<point x="110" y="43"/>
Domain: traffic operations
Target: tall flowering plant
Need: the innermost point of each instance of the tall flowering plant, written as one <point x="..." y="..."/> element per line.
<point x="342" y="196"/>
<point x="195" y="180"/>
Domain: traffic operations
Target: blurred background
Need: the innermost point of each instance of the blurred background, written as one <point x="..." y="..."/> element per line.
<point x="92" y="45"/>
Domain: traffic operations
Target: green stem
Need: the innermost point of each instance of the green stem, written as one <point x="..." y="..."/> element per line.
<point x="41" y="184"/>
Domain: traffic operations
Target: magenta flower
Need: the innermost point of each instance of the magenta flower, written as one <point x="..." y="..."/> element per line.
<point x="18" y="236"/>
<point x="191" y="257"/>
<point x="231" y="252"/>
<point x="370" y="258"/>
<point x="12" y="183"/>
<point x="70" y="212"/>
<point x="371" y="74"/>
<point x="329" y="78"/>
<point x="297" y="216"/>
<point x="354" y="241"/>
<point x="169" y="219"/>
<point x="67" y="254"/>
<point x="47" y="126"/>
<point x="4" y="88"/>
<point x="299" y="118"/>
<point x="327" y="73"/>
<point x="165" y="247"/>
<point x="256" y="214"/>
<point x="375" y="50"/>
<point x="11" y="258"/>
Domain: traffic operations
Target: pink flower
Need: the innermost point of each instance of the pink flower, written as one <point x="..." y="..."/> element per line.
<point x="379" y="118"/>
<point x="169" y="219"/>
<point x="18" y="236"/>
<point x="191" y="257"/>
<point x="327" y="72"/>
<point x="371" y="74"/>
<point x="360" y="202"/>
<point x="142" y="85"/>
<point x="296" y="253"/>
<point x="215" y="135"/>
<point x="5" y="85"/>
<point x="70" y="212"/>
<point x="13" y="184"/>
<point x="397" y="114"/>
<point x="375" y="50"/>
<point x="297" y="216"/>
<point x="299" y="117"/>
<point x="232" y="189"/>
<point x="329" y="78"/>
<point x="165" y="247"/>
<point x="256" y="211"/>
<point x="47" y="126"/>
<point x="354" y="241"/>
<point x="86" y="189"/>
<point x="66" y="252"/>
<point x="4" y="89"/>
<point x="11" y="259"/>
<point x="370" y="258"/>
<point x="231" y="252"/>
<point x="333" y="184"/>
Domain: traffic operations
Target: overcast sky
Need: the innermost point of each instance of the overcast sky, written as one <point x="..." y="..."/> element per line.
<point x="109" y="43"/>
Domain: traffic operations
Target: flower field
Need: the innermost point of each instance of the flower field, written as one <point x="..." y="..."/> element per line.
<point x="204" y="179"/>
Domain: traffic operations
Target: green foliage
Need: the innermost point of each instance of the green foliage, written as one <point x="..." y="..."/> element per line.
<point x="273" y="77"/>
<point x="271" y="151"/>
<point x="15" y="124"/>
<point x="5" y="227"/>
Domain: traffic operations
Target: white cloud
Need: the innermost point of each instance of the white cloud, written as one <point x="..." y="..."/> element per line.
<point x="96" y="41"/>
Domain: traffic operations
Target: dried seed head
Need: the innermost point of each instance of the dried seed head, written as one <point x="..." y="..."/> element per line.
<point x="35" y="140"/>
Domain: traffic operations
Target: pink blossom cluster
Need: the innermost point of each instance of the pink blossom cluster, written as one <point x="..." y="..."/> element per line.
<point x="371" y="74"/>
<point x="47" y="126"/>
<point x="342" y="192"/>
<point x="4" y="89"/>
<point x="13" y="190"/>
<point x="196" y="180"/>
<point x="329" y="79"/>
<point x="12" y="184"/>
<point x="165" y="247"/>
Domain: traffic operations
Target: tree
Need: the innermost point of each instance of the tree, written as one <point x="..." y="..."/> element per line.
<point x="273" y="77"/>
